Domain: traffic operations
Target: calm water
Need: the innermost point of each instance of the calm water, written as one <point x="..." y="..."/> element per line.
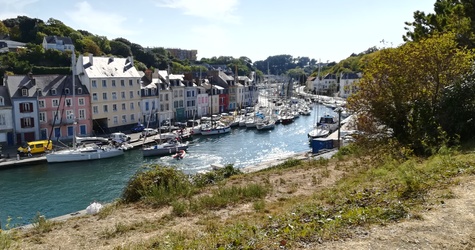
<point x="58" y="189"/>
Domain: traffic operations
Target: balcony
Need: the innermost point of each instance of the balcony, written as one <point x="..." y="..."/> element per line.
<point x="59" y="121"/>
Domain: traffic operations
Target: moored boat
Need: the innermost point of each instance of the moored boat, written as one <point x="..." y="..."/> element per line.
<point x="164" y="149"/>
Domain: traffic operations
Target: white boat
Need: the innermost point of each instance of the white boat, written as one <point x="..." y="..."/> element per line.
<point x="84" y="153"/>
<point x="318" y="132"/>
<point x="266" y="124"/>
<point x="164" y="149"/>
<point x="331" y="122"/>
<point x="214" y="129"/>
<point x="92" y="139"/>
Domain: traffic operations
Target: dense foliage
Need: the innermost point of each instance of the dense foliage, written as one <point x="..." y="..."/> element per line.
<point x="410" y="91"/>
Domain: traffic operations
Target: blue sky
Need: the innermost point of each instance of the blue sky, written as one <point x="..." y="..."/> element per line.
<point x="319" y="29"/>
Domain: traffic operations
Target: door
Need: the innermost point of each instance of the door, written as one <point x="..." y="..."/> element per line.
<point x="82" y="129"/>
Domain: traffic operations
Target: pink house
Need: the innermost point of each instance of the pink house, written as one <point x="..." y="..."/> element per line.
<point x="58" y="109"/>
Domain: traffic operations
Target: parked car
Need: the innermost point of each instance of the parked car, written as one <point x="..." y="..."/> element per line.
<point x="148" y="132"/>
<point x="138" y="128"/>
<point x="118" y="136"/>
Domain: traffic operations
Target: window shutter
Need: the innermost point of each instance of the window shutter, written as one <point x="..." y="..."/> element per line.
<point x="32" y="122"/>
<point x="30" y="107"/>
<point x="22" y="122"/>
<point x="21" y="107"/>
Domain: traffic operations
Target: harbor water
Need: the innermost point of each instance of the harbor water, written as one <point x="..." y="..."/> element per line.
<point x="62" y="188"/>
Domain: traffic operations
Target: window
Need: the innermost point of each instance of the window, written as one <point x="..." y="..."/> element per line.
<point x="80" y="91"/>
<point x="114" y="107"/>
<point x="57" y="132"/>
<point x="131" y="83"/>
<point x="166" y="97"/>
<point x="53" y="91"/>
<point x="104" y="96"/>
<point x="104" y="83"/>
<point x="153" y="105"/>
<point x="181" y="93"/>
<point x="123" y="106"/>
<point x="81" y="101"/>
<point x="95" y="109"/>
<point x="24" y="92"/>
<point x="131" y="106"/>
<point x="105" y="108"/>
<point x="124" y="119"/>
<point x="41" y="103"/>
<point x="66" y="91"/>
<point x="69" y="115"/>
<point x="70" y="130"/>
<point x="161" y="107"/>
<point x="39" y="92"/>
<point x="175" y="104"/>
<point x="42" y="116"/>
<point x="68" y="102"/>
<point x="114" y="96"/>
<point x="94" y="96"/>
<point x="82" y="114"/>
<point x="131" y="94"/>
<point x="2" y="120"/>
<point x="175" y="93"/>
<point x="132" y="117"/>
<point x="113" y="83"/>
<point x="26" y="107"/>
<point x="122" y="83"/>
<point x="94" y="84"/>
<point x="147" y="106"/>
<point x="122" y="94"/>
<point x="27" y="122"/>
<point x="116" y="120"/>
<point x="180" y="105"/>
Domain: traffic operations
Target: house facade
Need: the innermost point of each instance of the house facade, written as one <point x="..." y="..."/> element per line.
<point x="348" y="82"/>
<point x="22" y="91"/>
<point x="191" y="96"/>
<point x="6" y="118"/>
<point x="59" y="107"/>
<point x="115" y="90"/>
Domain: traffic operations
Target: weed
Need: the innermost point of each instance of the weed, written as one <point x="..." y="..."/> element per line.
<point x="7" y="236"/>
<point x="259" y="205"/>
<point x="41" y="224"/>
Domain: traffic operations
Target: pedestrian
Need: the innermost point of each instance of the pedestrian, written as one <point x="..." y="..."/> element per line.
<point x="29" y="151"/>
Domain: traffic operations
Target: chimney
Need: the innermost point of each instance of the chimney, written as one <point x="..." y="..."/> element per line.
<point x="131" y="59"/>
<point x="91" y="59"/>
<point x="148" y="74"/>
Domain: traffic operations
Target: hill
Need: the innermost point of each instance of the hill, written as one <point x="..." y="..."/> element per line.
<point x="342" y="203"/>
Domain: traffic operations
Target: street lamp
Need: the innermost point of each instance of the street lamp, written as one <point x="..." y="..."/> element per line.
<point x="339" y="110"/>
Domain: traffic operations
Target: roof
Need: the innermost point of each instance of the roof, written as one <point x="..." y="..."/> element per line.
<point x="350" y="76"/>
<point x="330" y="76"/>
<point x="44" y="82"/>
<point x="109" y="67"/>
<point x="6" y="96"/>
<point x="56" y="39"/>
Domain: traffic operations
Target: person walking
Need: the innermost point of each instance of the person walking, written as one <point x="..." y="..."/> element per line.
<point x="29" y="151"/>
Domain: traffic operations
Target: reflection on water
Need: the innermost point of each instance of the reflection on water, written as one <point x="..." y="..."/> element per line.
<point x="57" y="189"/>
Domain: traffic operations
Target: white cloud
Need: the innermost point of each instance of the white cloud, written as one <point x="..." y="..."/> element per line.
<point x="14" y="8"/>
<point x="222" y="10"/>
<point x="99" y="22"/>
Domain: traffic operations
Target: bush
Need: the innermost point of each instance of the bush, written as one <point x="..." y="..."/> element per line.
<point x="158" y="186"/>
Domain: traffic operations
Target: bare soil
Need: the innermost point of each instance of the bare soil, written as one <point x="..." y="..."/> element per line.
<point x="445" y="225"/>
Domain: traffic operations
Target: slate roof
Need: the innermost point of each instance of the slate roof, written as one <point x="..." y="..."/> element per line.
<point x="54" y="39"/>
<point x="109" y="67"/>
<point x="7" y="101"/>
<point x="44" y="82"/>
<point x="350" y="76"/>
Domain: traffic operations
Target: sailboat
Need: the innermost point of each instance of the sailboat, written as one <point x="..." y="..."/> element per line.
<point x="84" y="152"/>
<point x="319" y="130"/>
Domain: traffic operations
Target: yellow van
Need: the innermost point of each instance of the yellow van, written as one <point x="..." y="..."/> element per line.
<point x="36" y="147"/>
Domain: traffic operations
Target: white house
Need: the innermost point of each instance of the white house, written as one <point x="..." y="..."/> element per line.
<point x="348" y="82"/>
<point x="115" y="88"/>
<point x="57" y="42"/>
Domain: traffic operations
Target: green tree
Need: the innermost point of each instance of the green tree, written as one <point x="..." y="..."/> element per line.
<point x="3" y="29"/>
<point x="89" y="46"/>
<point x="402" y="88"/>
<point x="119" y="48"/>
<point x="457" y="16"/>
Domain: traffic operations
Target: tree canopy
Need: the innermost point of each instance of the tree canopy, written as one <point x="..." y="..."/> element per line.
<point x="404" y="90"/>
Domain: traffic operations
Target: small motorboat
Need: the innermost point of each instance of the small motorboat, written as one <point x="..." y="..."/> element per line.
<point x="180" y="154"/>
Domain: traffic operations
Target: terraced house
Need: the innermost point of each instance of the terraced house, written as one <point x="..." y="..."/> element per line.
<point x="114" y="86"/>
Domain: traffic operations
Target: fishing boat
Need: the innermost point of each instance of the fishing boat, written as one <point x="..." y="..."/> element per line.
<point x="267" y="124"/>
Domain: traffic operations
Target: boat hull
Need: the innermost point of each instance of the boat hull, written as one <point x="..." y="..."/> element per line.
<point x="82" y="155"/>
<point x="216" y="131"/>
<point x="162" y="151"/>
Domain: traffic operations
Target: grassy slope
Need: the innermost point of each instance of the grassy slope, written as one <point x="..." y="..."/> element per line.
<point x="296" y="204"/>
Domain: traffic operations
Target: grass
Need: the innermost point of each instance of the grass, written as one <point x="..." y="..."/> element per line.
<point x="376" y="187"/>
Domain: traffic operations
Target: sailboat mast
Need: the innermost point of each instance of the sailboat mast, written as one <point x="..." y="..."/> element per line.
<point x="73" y="65"/>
